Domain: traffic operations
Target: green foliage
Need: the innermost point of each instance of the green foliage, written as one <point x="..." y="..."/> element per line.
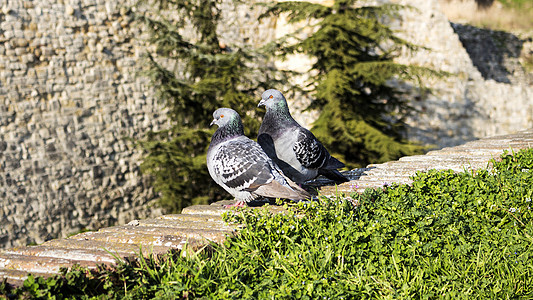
<point x="447" y="236"/>
<point x="194" y="76"/>
<point x="362" y="118"/>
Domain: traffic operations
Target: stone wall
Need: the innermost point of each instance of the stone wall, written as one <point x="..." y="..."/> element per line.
<point x="489" y="93"/>
<point x="71" y="103"/>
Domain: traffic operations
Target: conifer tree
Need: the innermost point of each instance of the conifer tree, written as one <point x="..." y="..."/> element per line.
<point x="193" y="77"/>
<point x="362" y="118"/>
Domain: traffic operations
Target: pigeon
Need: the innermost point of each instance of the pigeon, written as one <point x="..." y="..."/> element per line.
<point x="298" y="153"/>
<point x="241" y="167"/>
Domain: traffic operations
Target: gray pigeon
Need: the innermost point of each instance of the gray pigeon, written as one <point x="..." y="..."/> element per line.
<point x="293" y="148"/>
<point x="241" y="167"/>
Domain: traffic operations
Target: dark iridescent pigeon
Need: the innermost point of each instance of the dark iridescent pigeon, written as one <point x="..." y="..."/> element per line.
<point x="241" y="167"/>
<point x="293" y="148"/>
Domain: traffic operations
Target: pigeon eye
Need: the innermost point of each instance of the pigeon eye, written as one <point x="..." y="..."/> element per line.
<point x="222" y="116"/>
<point x="270" y="97"/>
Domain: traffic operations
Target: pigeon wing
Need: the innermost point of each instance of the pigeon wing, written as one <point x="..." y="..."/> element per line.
<point x="309" y="151"/>
<point x="267" y="143"/>
<point x="241" y="164"/>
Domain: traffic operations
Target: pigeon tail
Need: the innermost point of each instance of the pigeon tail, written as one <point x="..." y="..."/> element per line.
<point x="333" y="175"/>
<point x="303" y="194"/>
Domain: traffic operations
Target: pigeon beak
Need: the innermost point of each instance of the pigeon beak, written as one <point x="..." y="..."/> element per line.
<point x="212" y="122"/>
<point x="261" y="103"/>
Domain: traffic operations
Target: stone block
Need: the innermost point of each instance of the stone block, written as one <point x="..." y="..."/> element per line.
<point x="27" y="58"/>
<point x="97" y="256"/>
<point x="33" y="264"/>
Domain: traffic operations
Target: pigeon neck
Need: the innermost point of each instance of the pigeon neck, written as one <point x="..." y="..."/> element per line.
<point x="232" y="129"/>
<point x="280" y="114"/>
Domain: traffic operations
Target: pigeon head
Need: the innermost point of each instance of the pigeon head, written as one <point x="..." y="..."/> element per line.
<point x="272" y="99"/>
<point x="223" y="116"/>
<point x="229" y="123"/>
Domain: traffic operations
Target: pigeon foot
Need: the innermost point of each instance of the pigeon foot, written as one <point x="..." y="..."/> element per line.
<point x="237" y="204"/>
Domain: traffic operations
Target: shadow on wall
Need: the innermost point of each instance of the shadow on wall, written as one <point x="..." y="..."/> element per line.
<point x="440" y="122"/>
<point x="494" y="53"/>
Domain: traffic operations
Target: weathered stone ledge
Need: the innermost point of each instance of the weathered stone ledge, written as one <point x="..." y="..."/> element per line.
<point x="201" y="223"/>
